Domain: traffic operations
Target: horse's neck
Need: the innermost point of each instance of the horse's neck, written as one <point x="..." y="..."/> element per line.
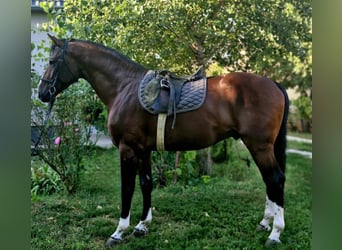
<point x="107" y="72"/>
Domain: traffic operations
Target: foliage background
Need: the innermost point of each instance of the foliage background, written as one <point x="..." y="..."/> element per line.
<point x="272" y="36"/>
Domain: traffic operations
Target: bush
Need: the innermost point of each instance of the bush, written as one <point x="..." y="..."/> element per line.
<point x="237" y="162"/>
<point x="166" y="168"/>
<point x="303" y="112"/>
<point x="189" y="168"/>
<point x="222" y="151"/>
<point x="65" y="140"/>
<point x="44" y="180"/>
<point x="163" y="167"/>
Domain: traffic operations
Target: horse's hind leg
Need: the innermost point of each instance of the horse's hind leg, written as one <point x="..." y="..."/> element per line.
<point x="274" y="179"/>
<point x="146" y="185"/>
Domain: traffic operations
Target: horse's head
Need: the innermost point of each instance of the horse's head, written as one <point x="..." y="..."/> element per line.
<point x="61" y="72"/>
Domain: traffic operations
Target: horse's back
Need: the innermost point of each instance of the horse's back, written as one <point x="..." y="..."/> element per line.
<point x="254" y="103"/>
<point x="244" y="88"/>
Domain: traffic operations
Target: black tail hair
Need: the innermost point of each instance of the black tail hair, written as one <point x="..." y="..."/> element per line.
<point x="280" y="143"/>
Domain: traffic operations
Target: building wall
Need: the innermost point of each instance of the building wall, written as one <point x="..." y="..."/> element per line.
<point x="38" y="18"/>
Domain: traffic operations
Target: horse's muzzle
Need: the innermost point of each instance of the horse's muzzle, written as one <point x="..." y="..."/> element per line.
<point x="45" y="97"/>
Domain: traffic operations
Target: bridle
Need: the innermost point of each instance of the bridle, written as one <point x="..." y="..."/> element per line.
<point x="53" y="81"/>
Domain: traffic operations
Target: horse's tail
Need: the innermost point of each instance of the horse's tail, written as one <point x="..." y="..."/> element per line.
<point x="280" y="143"/>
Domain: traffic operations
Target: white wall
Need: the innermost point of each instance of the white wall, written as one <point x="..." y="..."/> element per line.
<point x="38" y="18"/>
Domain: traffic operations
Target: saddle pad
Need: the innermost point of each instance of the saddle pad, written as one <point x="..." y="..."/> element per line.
<point x="192" y="94"/>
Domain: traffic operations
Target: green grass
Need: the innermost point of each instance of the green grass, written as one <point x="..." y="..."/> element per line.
<point x="222" y="214"/>
<point x="299" y="145"/>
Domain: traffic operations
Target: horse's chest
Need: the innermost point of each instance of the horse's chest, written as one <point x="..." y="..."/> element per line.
<point x="117" y="121"/>
<point x="121" y="121"/>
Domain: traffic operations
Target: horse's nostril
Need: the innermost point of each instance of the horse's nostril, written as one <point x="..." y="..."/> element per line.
<point x="43" y="97"/>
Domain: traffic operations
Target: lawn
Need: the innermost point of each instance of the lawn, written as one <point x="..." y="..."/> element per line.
<point x="299" y="146"/>
<point x="220" y="214"/>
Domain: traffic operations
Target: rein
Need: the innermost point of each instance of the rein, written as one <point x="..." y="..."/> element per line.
<point x="46" y="119"/>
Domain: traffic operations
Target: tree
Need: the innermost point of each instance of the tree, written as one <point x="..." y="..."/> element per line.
<point x="272" y="36"/>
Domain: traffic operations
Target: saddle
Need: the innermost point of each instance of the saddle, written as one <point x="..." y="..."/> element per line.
<point x="164" y="92"/>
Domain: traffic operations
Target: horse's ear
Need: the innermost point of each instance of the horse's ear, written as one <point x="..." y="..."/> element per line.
<point x="56" y="41"/>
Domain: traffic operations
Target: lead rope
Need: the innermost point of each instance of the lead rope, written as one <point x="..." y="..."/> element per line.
<point x="47" y="117"/>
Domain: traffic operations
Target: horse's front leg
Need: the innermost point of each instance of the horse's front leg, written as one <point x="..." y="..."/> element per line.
<point x="128" y="161"/>
<point x="146" y="185"/>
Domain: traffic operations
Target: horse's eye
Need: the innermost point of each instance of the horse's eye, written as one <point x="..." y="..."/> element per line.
<point x="51" y="62"/>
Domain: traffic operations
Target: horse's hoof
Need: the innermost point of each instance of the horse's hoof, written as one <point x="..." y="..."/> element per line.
<point x="272" y="243"/>
<point x="112" y="241"/>
<point x="261" y="228"/>
<point x="139" y="232"/>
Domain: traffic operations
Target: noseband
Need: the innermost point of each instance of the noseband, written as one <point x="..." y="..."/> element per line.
<point x="54" y="79"/>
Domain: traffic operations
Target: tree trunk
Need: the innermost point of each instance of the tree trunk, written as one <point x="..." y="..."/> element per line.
<point x="204" y="161"/>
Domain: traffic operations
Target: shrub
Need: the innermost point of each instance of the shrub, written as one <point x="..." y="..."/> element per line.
<point x="188" y="167"/>
<point x="163" y="167"/>
<point x="44" y="180"/>
<point x="303" y="106"/>
<point x="65" y="140"/>
<point x="166" y="168"/>
<point x="232" y="158"/>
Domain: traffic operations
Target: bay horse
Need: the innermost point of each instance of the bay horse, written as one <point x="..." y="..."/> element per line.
<point x="239" y="105"/>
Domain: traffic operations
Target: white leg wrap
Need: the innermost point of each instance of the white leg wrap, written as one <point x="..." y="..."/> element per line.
<point x="275" y="213"/>
<point x="268" y="216"/>
<point x="278" y="223"/>
<point x="121" y="229"/>
<point x="142" y="226"/>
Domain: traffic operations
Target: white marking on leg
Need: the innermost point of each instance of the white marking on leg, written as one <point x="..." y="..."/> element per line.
<point x="121" y="229"/>
<point x="275" y="213"/>
<point x="278" y="223"/>
<point x="142" y="226"/>
<point x="268" y="216"/>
